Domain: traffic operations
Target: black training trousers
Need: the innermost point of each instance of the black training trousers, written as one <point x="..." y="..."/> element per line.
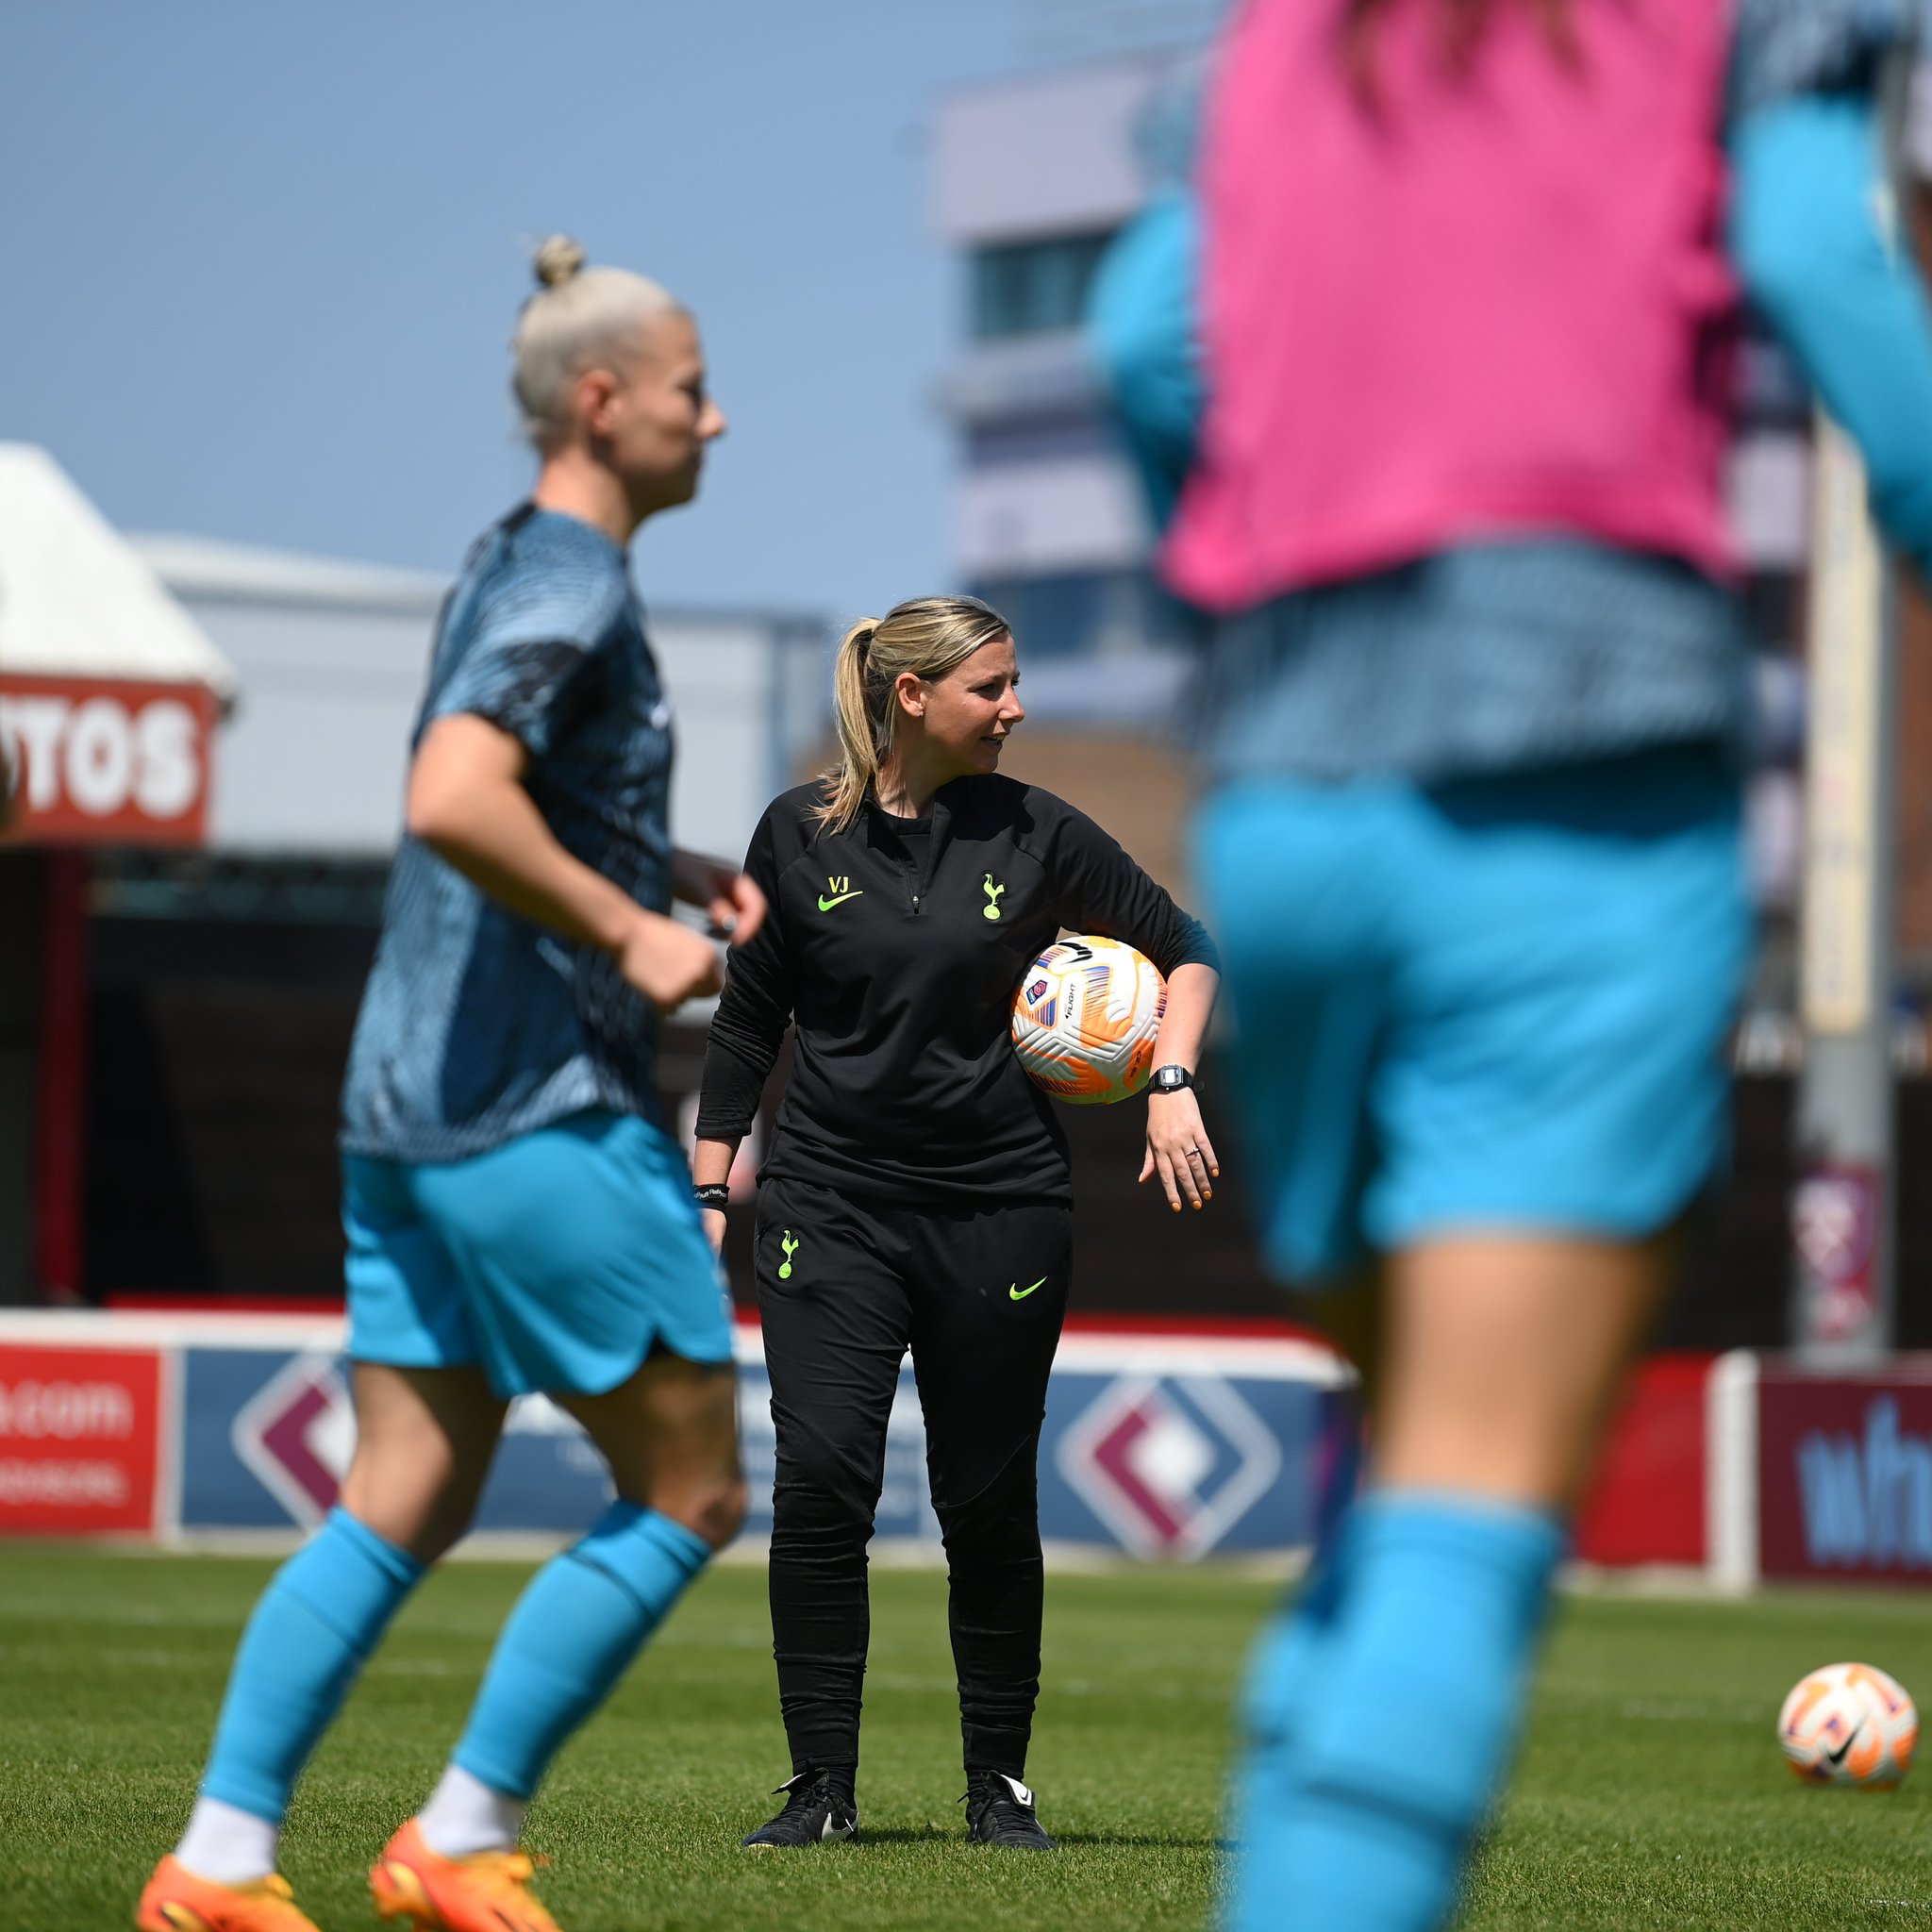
<point x="977" y="1294"/>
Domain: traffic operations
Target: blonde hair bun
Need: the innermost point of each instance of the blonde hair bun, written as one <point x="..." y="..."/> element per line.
<point x="576" y="318"/>
<point x="556" y="260"/>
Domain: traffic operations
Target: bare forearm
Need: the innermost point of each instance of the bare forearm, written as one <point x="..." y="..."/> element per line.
<point x="496" y="838"/>
<point x="1190" y="992"/>
<point x="711" y="1162"/>
<point x="1179" y="1153"/>
<point x="710" y="1167"/>
<point x="468" y="805"/>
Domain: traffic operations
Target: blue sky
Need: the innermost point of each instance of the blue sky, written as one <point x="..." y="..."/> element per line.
<point x="261" y="262"/>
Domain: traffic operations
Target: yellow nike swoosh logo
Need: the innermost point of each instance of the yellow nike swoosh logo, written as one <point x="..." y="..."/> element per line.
<point x="1019" y="1294"/>
<point x="826" y="905"/>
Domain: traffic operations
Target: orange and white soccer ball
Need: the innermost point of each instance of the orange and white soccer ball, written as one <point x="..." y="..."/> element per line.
<point x="1849" y="1725"/>
<point x="1085" y="1019"/>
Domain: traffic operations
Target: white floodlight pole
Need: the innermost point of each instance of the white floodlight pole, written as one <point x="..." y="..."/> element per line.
<point x="1844" y="1209"/>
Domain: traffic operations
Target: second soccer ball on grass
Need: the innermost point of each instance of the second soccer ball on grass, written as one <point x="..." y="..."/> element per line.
<point x="1085" y="1017"/>
<point x="1849" y="1725"/>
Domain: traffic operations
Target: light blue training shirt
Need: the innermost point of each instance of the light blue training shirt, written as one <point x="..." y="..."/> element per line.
<point x="477" y="1025"/>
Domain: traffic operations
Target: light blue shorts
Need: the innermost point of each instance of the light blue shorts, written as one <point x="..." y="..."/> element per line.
<point x="557" y="1261"/>
<point x="1499" y="1004"/>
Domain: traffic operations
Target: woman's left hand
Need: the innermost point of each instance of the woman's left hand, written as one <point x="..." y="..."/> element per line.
<point x="1178" y="1149"/>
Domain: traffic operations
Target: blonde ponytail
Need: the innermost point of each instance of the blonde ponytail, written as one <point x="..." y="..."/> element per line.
<point x="862" y="744"/>
<point x="926" y="636"/>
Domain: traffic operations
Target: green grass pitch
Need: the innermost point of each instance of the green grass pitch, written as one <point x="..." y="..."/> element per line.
<point x="1650" y="1793"/>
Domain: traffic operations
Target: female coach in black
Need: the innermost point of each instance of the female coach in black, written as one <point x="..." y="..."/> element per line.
<point x="917" y="1193"/>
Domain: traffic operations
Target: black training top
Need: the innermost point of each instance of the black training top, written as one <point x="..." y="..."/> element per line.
<point x="897" y="946"/>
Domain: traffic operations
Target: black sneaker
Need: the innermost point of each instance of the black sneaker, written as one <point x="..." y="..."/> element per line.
<point x="819" y="1805"/>
<point x="999" y="1811"/>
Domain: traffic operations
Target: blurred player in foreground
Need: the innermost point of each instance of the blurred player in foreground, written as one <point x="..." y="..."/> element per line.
<point x="1472" y="848"/>
<point x="517" y="1217"/>
<point x="917" y="1193"/>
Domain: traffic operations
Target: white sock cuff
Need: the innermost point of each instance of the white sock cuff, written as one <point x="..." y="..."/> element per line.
<point x="465" y="1816"/>
<point x="227" y="1846"/>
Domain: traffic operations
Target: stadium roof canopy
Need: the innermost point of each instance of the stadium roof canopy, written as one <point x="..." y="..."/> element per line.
<point x="77" y="601"/>
<point x="108" y="687"/>
<point x="206" y="571"/>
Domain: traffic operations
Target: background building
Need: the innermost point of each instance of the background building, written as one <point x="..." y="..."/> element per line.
<point x="1033" y="179"/>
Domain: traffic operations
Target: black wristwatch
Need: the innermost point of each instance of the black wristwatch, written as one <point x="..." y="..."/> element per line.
<point x="1171" y="1079"/>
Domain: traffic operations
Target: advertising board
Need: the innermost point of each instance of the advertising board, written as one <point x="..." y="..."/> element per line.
<point x="80" y="1440"/>
<point x="1647" y="1501"/>
<point x="1844" y="1473"/>
<point x="101" y="761"/>
<point x="1149" y="1447"/>
<point x="1167" y="1446"/>
<point x="1173" y="1446"/>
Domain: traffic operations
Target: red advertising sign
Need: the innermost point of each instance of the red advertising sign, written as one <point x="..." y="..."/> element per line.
<point x="101" y="762"/>
<point x="79" y="1438"/>
<point x="1845" y="1475"/>
<point x="1646" y="1499"/>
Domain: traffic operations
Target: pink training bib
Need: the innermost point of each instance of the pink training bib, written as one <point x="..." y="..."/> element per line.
<point x="1498" y="304"/>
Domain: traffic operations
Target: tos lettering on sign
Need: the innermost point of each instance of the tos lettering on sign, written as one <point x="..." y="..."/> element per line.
<point x="109" y="762"/>
<point x="79" y="1435"/>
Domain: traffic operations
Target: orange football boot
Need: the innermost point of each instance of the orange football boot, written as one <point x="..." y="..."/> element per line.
<point x="488" y="1892"/>
<point x="177" y="1901"/>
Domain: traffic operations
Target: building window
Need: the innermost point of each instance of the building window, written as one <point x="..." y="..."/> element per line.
<point x="1023" y="287"/>
<point x="1080" y="613"/>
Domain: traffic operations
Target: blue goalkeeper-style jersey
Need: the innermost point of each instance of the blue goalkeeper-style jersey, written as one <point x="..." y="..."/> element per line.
<point x="476" y="1025"/>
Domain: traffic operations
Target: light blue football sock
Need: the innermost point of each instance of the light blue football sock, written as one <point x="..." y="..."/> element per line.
<point x="1394" y="1749"/>
<point x="310" y="1634"/>
<point x="1285" y="1656"/>
<point x="1278" y="1693"/>
<point x="572" y="1636"/>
